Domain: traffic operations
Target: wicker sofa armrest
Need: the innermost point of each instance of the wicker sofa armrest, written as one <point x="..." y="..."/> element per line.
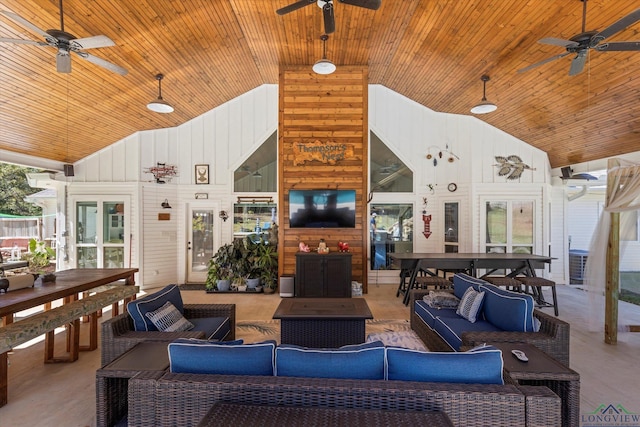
<point x="553" y="337"/>
<point x="118" y="335"/>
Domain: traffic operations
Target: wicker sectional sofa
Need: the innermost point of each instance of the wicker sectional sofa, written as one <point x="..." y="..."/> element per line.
<point x="183" y="399"/>
<point x="552" y="337"/>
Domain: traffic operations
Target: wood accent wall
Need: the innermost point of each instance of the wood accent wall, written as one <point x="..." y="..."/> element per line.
<point x="323" y="109"/>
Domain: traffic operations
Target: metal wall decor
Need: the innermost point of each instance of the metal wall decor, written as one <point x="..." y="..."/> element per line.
<point x="162" y="172"/>
<point x="440" y="154"/>
<point x="511" y="166"/>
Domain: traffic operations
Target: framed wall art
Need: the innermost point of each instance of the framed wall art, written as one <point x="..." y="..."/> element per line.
<point x="202" y="174"/>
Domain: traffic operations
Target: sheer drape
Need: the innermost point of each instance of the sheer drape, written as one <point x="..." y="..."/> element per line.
<point x="623" y="194"/>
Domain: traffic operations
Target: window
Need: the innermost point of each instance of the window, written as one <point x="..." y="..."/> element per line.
<point x="101" y="231"/>
<point x="259" y="171"/>
<point x="451" y="230"/>
<point x="388" y="173"/>
<point x="253" y="219"/>
<point x="509" y="226"/>
<point x="391" y="231"/>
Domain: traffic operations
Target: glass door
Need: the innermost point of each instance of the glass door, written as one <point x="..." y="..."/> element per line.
<point x="101" y="233"/>
<point x="202" y="240"/>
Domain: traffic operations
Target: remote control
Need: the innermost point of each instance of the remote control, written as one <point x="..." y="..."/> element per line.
<point x="519" y="354"/>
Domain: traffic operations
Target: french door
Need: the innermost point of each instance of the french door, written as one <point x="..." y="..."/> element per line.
<point x="101" y="232"/>
<point x="202" y="240"/>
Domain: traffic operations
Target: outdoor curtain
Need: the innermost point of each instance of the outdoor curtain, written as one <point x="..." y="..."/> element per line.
<point x="623" y="195"/>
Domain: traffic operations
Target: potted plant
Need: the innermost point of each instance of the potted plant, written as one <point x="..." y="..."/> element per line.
<point x="267" y="259"/>
<point x="39" y="258"/>
<point x="220" y="273"/>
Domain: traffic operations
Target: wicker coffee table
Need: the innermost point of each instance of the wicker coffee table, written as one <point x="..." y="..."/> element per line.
<point x="231" y="414"/>
<point x="322" y="322"/>
<point x="112" y="381"/>
<point x="542" y="369"/>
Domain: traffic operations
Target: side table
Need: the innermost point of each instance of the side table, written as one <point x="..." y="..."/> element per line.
<point x="112" y="380"/>
<point x="239" y="415"/>
<point x="542" y="369"/>
<point x="322" y="322"/>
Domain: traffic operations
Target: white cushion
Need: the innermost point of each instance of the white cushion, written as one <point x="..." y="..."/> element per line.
<point x="470" y="304"/>
<point x="169" y="319"/>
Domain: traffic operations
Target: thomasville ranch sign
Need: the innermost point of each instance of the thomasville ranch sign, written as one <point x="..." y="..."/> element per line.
<point x="325" y="152"/>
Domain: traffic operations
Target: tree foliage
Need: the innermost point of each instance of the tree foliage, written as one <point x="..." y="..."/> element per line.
<point x="14" y="188"/>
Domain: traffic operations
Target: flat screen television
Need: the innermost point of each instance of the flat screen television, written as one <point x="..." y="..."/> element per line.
<point x="322" y="208"/>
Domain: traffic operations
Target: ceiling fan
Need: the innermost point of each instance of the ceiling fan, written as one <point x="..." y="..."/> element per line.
<point x="327" y="9"/>
<point x="66" y="43"/>
<point x="581" y="43"/>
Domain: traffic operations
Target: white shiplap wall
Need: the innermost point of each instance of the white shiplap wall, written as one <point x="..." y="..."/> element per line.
<point x="225" y="137"/>
<point x="222" y="138"/>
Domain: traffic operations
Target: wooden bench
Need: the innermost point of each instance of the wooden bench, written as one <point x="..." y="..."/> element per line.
<point x="31" y="327"/>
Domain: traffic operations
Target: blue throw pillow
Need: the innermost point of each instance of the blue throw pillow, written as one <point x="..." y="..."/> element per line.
<point x="362" y="361"/>
<point x="463" y="281"/>
<point x="140" y="307"/>
<point x="509" y="311"/>
<point x="481" y="366"/>
<point x="223" y="358"/>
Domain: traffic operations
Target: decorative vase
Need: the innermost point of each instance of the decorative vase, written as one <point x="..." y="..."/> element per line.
<point x="252" y="283"/>
<point x="269" y="290"/>
<point x="223" y="285"/>
<point x="48" y="277"/>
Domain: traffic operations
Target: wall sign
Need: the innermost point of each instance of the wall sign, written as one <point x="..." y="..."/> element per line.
<point x="325" y="152"/>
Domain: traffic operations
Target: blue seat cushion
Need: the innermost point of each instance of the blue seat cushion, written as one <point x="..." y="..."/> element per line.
<point x="214" y="328"/>
<point x="207" y="357"/>
<point x="140" y="307"/>
<point x="429" y="314"/>
<point x="482" y="366"/>
<point x="451" y="329"/>
<point x="509" y="311"/>
<point x="363" y="361"/>
<point x="463" y="281"/>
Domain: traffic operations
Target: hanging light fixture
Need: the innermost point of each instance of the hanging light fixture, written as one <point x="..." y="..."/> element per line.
<point x="256" y="173"/>
<point x="160" y="105"/>
<point x="484" y="106"/>
<point x="324" y="66"/>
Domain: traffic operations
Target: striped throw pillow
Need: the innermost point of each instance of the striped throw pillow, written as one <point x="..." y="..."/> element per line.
<point x="168" y="319"/>
<point x="470" y="304"/>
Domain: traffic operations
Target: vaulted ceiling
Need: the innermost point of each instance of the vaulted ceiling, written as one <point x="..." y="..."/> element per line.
<point x="210" y="51"/>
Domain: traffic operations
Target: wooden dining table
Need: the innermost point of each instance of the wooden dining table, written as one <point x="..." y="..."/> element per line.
<point x="68" y="285"/>
<point x="470" y="263"/>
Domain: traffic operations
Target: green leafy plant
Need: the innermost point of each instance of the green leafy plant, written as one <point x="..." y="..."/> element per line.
<point x="40" y="256"/>
<point x="241" y="260"/>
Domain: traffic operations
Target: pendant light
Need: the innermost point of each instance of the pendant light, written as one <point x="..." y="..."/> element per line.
<point x="256" y="173"/>
<point x="160" y="105"/>
<point x="484" y="106"/>
<point x="324" y="66"/>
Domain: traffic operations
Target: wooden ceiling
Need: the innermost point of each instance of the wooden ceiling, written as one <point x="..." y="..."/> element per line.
<point x="210" y="51"/>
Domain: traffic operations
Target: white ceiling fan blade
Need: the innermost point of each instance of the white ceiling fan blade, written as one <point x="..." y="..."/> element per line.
<point x="26" y="23"/>
<point x="557" y="42"/>
<point x="91" y="42"/>
<point x="63" y="62"/>
<point x="21" y="41"/>
<point x="103" y="63"/>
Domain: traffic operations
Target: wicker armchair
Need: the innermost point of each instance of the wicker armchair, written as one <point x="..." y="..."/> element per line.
<point x="118" y="335"/>
<point x="552" y="338"/>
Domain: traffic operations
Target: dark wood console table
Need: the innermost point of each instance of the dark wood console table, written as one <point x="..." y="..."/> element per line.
<point x="323" y="275"/>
